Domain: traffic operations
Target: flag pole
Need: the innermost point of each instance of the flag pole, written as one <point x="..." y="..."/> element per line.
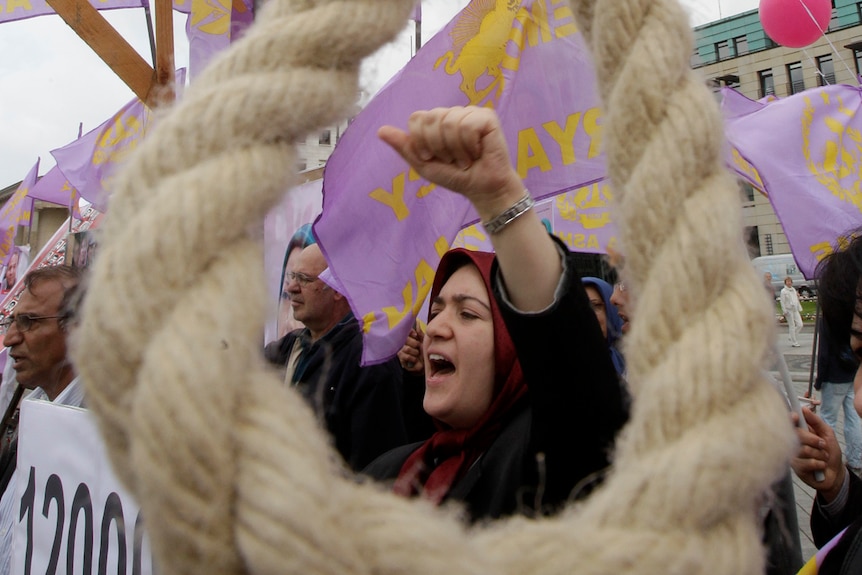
<point x="165" y="48"/>
<point x="150" y="32"/>
<point x="815" y="343"/>
<point x="73" y="197"/>
<point x="417" y="26"/>
<point x="107" y="43"/>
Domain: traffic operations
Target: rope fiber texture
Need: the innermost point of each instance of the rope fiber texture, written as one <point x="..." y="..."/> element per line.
<point x="231" y="470"/>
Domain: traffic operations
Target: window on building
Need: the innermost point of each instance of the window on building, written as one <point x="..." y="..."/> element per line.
<point x="722" y="50"/>
<point x="857" y="58"/>
<point x="752" y="241"/>
<point x="767" y="83"/>
<point x="767" y="239"/>
<point x="727" y="80"/>
<point x="833" y="19"/>
<point x="747" y="191"/>
<point x="825" y="70"/>
<point x="740" y="45"/>
<point x="325" y="138"/>
<point x="695" y="59"/>
<point x="795" y="83"/>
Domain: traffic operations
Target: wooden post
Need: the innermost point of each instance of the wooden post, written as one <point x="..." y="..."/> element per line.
<point x="108" y="44"/>
<point x="165" y="48"/>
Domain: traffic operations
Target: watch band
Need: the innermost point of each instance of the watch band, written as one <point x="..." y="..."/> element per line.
<point x="517" y="210"/>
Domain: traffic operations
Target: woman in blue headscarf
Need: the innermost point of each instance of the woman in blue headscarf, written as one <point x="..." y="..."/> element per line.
<point x="599" y="291"/>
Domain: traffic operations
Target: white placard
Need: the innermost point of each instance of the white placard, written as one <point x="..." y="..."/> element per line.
<point x="73" y="514"/>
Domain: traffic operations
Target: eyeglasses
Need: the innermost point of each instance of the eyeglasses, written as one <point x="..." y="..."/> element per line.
<point x="301" y="278"/>
<point x="24" y="322"/>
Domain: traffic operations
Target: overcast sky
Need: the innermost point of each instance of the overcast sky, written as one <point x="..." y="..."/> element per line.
<point x="50" y="81"/>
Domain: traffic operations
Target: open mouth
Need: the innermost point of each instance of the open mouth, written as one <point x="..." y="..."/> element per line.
<point x="440" y="365"/>
<point x="625" y="320"/>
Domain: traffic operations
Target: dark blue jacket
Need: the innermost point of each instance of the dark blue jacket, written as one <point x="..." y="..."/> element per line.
<point x="361" y="407"/>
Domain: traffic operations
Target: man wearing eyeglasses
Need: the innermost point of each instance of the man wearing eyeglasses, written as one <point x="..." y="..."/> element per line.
<point x="620" y="299"/>
<point x="360" y="406"/>
<point x="36" y="334"/>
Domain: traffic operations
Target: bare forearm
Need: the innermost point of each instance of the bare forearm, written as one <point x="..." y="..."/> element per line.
<point x="529" y="261"/>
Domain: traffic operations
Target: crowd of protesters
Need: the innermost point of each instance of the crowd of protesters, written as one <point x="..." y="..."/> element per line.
<point x="474" y="409"/>
<point x="501" y="436"/>
<point x="490" y="423"/>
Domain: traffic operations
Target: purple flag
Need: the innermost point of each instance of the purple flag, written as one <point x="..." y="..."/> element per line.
<point x="22" y="9"/>
<point x="580" y="217"/>
<point x="211" y="27"/>
<point x="805" y="152"/>
<point x="89" y="161"/>
<point x="417" y="12"/>
<point x="17" y="212"/>
<point x="241" y="17"/>
<point x="53" y="187"/>
<point x="383" y="229"/>
<point x="733" y="106"/>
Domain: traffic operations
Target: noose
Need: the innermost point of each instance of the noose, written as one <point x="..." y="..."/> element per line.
<point x="229" y="468"/>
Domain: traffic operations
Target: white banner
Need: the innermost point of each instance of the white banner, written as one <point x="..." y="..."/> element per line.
<point x="73" y="514"/>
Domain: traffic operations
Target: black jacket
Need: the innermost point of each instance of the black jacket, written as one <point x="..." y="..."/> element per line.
<point x="361" y="407"/>
<point x="8" y="462"/>
<point x="846" y="557"/>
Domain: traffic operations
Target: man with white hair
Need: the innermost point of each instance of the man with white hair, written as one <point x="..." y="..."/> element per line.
<point x="36" y="334"/>
<point x="360" y="406"/>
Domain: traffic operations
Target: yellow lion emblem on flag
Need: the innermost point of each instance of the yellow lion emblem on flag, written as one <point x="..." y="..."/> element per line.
<point x="479" y="49"/>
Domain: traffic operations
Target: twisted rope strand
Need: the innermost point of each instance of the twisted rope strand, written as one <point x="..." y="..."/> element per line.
<point x="198" y="150"/>
<point x="231" y="469"/>
<point x="702" y="328"/>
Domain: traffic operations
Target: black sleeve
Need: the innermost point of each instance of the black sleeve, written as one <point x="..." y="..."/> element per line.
<point x="575" y="392"/>
<point x="374" y="414"/>
<point x="276" y="352"/>
<point x="823" y="529"/>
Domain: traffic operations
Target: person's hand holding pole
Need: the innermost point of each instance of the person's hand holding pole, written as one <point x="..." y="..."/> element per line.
<point x="819" y="453"/>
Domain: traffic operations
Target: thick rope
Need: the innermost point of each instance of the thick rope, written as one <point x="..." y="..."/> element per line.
<point x="231" y="470"/>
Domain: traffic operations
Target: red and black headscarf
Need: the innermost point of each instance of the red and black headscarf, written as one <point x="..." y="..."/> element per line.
<point x="441" y="461"/>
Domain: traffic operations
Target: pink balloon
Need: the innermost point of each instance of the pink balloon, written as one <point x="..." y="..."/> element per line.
<point x="788" y="22"/>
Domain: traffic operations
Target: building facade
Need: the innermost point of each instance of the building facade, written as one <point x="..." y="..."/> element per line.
<point x="736" y="52"/>
<point x="45" y="221"/>
<point x="317" y="147"/>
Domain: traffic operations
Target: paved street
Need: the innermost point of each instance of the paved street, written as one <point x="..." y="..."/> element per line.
<point x="799" y="364"/>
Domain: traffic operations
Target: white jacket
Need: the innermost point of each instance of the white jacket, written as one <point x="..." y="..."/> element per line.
<point x="789" y="300"/>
